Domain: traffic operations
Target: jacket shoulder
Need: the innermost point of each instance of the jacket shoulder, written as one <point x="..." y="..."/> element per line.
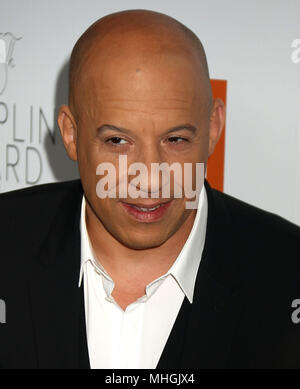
<point x="26" y="212"/>
<point x="264" y="248"/>
<point x="255" y="218"/>
<point x="38" y="191"/>
<point x="35" y="198"/>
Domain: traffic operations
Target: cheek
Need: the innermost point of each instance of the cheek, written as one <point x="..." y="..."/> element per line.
<point x="88" y="161"/>
<point x="104" y="208"/>
<point x="89" y="157"/>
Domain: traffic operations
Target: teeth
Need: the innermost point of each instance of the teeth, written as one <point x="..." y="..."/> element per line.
<point x="147" y="209"/>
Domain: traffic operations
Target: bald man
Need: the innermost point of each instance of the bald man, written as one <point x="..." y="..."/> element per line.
<point x="140" y="281"/>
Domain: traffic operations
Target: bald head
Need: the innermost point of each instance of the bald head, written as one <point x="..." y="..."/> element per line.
<point x="140" y="89"/>
<point x="136" y="33"/>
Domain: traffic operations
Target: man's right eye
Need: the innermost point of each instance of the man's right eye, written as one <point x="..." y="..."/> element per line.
<point x="116" y="140"/>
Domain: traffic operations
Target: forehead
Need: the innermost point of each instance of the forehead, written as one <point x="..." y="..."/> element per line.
<point x="139" y="73"/>
<point x="142" y="78"/>
<point x="140" y="62"/>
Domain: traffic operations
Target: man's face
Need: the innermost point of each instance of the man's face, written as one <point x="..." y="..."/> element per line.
<point x="140" y="98"/>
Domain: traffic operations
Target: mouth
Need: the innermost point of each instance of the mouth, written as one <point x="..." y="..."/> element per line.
<point x="146" y="213"/>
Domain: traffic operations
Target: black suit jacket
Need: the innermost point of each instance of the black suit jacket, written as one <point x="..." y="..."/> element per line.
<point x="241" y="315"/>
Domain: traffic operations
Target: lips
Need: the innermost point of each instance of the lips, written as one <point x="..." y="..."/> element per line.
<point x="146" y="213"/>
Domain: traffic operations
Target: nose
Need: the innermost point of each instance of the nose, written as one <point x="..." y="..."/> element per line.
<point x="150" y="182"/>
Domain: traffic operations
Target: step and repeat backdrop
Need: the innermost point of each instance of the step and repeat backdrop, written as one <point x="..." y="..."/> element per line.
<point x="253" y="51"/>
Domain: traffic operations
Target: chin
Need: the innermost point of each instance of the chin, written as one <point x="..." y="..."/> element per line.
<point x="142" y="243"/>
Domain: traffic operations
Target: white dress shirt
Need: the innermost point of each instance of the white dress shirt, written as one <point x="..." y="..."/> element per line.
<point x="136" y="337"/>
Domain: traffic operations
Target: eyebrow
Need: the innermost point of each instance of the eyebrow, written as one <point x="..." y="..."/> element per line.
<point x="185" y="126"/>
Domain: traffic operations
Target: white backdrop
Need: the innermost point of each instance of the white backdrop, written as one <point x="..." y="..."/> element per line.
<point x="254" y="45"/>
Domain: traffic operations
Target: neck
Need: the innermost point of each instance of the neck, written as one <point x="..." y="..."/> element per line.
<point x="145" y="264"/>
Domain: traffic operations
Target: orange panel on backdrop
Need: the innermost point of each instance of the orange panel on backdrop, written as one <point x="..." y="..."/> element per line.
<point x="215" y="166"/>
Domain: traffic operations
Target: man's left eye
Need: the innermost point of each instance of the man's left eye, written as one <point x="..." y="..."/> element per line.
<point x="176" y="139"/>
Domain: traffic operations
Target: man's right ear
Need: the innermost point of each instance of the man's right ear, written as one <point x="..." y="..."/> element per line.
<point x="68" y="130"/>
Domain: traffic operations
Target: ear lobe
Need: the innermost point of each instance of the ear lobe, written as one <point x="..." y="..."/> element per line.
<point x="216" y="124"/>
<point x="68" y="130"/>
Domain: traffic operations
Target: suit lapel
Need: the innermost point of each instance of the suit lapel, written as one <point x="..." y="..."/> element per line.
<point x="55" y="295"/>
<point x="172" y="352"/>
<point x="211" y="326"/>
<point x="202" y="334"/>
